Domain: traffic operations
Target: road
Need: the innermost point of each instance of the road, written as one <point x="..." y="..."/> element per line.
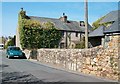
<point x="23" y="70"/>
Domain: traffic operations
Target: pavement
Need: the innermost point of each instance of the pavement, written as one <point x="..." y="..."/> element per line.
<point x="23" y="70"/>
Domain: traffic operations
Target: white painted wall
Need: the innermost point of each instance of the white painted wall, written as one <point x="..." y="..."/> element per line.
<point x="18" y="38"/>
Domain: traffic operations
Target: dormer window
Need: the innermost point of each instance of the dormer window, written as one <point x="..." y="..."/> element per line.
<point x="82" y="23"/>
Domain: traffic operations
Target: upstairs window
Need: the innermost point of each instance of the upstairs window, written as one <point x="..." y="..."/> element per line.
<point x="82" y="23"/>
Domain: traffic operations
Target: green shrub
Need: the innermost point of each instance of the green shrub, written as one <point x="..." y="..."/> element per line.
<point x="81" y="45"/>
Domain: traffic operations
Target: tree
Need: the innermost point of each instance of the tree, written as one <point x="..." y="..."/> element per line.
<point x="11" y="42"/>
<point x="96" y="23"/>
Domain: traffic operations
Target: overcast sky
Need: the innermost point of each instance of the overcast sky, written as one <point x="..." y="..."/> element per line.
<point x="74" y="11"/>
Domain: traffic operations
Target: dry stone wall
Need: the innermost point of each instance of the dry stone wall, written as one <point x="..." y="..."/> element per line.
<point x="98" y="61"/>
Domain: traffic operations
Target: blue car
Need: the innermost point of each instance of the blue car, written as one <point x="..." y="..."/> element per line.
<point x="14" y="52"/>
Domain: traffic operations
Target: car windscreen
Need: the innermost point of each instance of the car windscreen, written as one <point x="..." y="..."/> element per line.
<point x="14" y="48"/>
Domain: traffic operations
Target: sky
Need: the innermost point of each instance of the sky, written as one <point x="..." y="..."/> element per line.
<point x="59" y="0"/>
<point x="74" y="11"/>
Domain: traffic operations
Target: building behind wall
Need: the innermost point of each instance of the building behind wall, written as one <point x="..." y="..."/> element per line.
<point x="73" y="31"/>
<point x="108" y="29"/>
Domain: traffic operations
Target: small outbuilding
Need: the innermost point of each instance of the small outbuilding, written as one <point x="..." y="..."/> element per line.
<point x="109" y="27"/>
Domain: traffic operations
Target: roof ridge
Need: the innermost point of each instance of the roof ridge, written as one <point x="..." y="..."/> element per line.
<point x="53" y="18"/>
<point x="43" y="17"/>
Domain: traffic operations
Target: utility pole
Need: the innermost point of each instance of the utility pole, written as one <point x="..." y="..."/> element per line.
<point x="86" y="24"/>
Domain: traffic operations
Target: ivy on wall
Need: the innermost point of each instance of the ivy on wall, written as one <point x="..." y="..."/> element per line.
<point x="34" y="35"/>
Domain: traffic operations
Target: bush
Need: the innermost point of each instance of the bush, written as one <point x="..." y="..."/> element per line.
<point x="81" y="45"/>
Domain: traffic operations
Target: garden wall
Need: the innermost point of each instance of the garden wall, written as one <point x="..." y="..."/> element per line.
<point x="96" y="61"/>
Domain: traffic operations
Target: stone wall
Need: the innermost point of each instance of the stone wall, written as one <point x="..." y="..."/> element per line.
<point x="98" y="61"/>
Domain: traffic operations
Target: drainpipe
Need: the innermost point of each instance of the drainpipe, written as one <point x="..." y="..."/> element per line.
<point x="66" y="45"/>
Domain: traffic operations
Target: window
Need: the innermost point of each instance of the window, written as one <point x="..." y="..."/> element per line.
<point x="76" y="34"/>
<point x="62" y="45"/>
<point x="14" y="48"/>
<point x="107" y="39"/>
<point x="62" y="33"/>
<point x="1" y="46"/>
<point x="82" y="23"/>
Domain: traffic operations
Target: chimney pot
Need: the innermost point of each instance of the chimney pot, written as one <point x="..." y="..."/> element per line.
<point x="21" y="9"/>
<point x="63" y="14"/>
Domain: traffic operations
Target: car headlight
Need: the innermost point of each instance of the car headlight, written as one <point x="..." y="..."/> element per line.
<point x="11" y="53"/>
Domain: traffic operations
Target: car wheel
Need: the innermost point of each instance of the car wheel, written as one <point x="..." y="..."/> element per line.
<point x="8" y="57"/>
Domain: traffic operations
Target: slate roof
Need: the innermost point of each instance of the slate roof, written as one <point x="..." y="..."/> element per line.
<point x="114" y="28"/>
<point x="70" y="26"/>
<point x="97" y="32"/>
<point x="110" y="17"/>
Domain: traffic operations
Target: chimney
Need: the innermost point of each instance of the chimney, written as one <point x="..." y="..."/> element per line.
<point x="64" y="18"/>
<point x="23" y="13"/>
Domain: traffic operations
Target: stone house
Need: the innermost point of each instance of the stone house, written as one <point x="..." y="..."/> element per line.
<point x="109" y="27"/>
<point x="73" y="31"/>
